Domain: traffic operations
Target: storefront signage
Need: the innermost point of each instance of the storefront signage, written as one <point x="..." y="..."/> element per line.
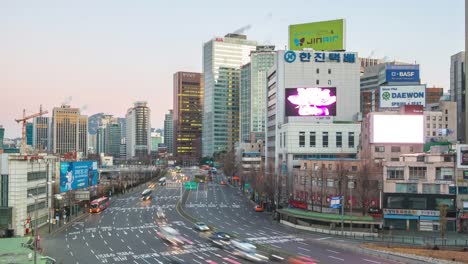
<point x="411" y="212"/>
<point x="291" y="56"/>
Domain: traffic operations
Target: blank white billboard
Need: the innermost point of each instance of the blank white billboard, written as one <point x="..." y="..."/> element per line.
<point x="397" y="129"/>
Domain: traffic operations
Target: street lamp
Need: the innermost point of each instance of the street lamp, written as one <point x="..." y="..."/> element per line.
<point x="35" y="213"/>
<point x="351" y="187"/>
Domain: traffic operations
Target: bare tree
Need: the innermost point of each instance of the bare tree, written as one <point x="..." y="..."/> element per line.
<point x="229" y="162"/>
<point x="442" y="219"/>
<point x="366" y="187"/>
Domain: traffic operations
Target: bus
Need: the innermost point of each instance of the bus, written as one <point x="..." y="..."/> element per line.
<point x="146" y="194"/>
<point x="99" y="205"/>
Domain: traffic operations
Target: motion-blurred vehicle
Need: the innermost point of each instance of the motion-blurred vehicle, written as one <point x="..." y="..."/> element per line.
<point x="258" y="208"/>
<point x="247" y="251"/>
<point x="160" y="213"/>
<point x="99" y="205"/>
<point x="201" y="227"/>
<point x="170" y="235"/>
<point x="301" y="260"/>
<point x="220" y="239"/>
<point x="146" y="194"/>
<point x="222" y="183"/>
<point x="162" y="181"/>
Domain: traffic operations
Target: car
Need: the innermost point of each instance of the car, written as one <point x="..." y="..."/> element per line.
<point x="301" y="260"/>
<point x="258" y="208"/>
<point x="222" y="183"/>
<point x="171" y="235"/>
<point x="247" y="251"/>
<point x="220" y="239"/>
<point x="201" y="227"/>
<point x="146" y="194"/>
<point x="160" y="213"/>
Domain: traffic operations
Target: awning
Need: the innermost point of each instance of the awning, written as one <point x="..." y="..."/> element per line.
<point x="235" y="178"/>
<point x="425" y="217"/>
<point x="389" y="216"/>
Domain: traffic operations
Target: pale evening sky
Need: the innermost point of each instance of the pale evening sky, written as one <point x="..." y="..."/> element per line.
<point x="107" y="54"/>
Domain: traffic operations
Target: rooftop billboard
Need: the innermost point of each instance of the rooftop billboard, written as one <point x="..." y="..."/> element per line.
<point x="323" y="35"/>
<point x="77" y="175"/>
<point x="397" y="129"/>
<point x="462" y="156"/>
<point x="310" y="101"/>
<point x="396" y="96"/>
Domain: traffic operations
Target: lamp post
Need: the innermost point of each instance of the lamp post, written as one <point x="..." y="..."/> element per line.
<point x="351" y="187"/>
<point x="36" y="214"/>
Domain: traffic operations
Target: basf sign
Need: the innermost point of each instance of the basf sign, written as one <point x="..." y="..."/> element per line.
<point x="402" y="73"/>
<point x="323" y="36"/>
<point x="395" y="96"/>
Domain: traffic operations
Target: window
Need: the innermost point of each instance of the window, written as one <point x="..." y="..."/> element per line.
<point x="431" y="188"/>
<point x="394" y="159"/>
<point x="32" y="207"/>
<point x="379" y="149"/>
<point x="281" y="139"/>
<point x="330" y="182"/>
<point x="37" y="191"/>
<point x="428" y="118"/>
<point x="420" y="158"/>
<point x="329" y="71"/>
<point x="428" y="125"/>
<point x="411" y="149"/>
<point x="301" y="139"/>
<point x="4" y="191"/>
<point x="433" y="133"/>
<point x="447" y="201"/>
<point x="446" y="119"/>
<point x="325" y="139"/>
<point x="395" y="202"/>
<point x="406" y="188"/>
<point x="330" y="166"/>
<point x="417" y="203"/>
<point x="433" y="118"/>
<point x="351" y="139"/>
<point x="284" y="139"/>
<point x="433" y="125"/>
<point x="395" y="173"/>
<point x="353" y="168"/>
<point x="444" y="174"/>
<point x="440" y="118"/>
<point x="339" y="140"/>
<point x="312" y="139"/>
<point x="37" y="175"/>
<point x="417" y="173"/>
<point x="318" y="70"/>
<point x="329" y="82"/>
<point x="395" y="149"/>
<point x="317" y="82"/>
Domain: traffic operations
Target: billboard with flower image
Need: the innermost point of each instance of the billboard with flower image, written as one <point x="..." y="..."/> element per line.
<point x="310" y="101"/>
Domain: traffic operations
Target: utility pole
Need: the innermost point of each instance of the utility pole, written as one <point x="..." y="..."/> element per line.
<point x="351" y="187"/>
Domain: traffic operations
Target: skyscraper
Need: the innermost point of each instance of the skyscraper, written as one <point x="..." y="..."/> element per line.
<point x="169" y="131"/>
<point x="457" y="91"/>
<point x="138" y="134"/>
<point x="222" y="60"/>
<point x="41" y="133"/>
<point x="109" y="136"/>
<point x="187" y="115"/>
<point x="69" y="130"/>
<point x="29" y="134"/>
<point x="2" y="134"/>
<point x="253" y="91"/>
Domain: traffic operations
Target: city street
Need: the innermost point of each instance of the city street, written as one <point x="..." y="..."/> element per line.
<point x="126" y="231"/>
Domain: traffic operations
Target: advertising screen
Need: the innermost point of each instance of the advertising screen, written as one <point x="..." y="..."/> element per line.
<point x="324" y="35"/>
<point x="77" y="175"/>
<point x="310" y="101"/>
<point x="397" y="129"/>
<point x="462" y="156"/>
<point x="395" y="96"/>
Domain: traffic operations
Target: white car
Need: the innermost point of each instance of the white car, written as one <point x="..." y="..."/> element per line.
<point x="247" y="251"/>
<point x="160" y="213"/>
<point x="171" y="235"/>
<point x="201" y="227"/>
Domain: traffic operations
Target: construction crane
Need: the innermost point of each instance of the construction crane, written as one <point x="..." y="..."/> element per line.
<point x="24" y="119"/>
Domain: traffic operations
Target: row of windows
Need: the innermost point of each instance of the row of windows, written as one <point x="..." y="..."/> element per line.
<point x="325" y="139"/>
<point x="37" y="175"/>
<point x="435" y="125"/>
<point x="392" y="148"/>
<point x="413" y="188"/>
<point x="419" y="203"/>
<point x="32" y="207"/>
<point x="37" y="190"/>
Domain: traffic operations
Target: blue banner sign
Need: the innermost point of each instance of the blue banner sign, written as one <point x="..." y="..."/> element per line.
<point x="77" y="175"/>
<point x="335" y="202"/>
<point x="402" y="75"/>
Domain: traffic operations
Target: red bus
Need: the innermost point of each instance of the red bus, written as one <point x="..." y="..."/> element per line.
<point x="99" y="205"/>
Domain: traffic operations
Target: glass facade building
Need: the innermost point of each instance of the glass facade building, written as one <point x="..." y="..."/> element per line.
<point x="253" y="92"/>
<point x="41" y="133"/>
<point x="69" y="130"/>
<point x="169" y="131"/>
<point x="222" y="61"/>
<point x="138" y="134"/>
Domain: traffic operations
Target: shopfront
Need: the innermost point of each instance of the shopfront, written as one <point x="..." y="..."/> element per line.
<point x="414" y="220"/>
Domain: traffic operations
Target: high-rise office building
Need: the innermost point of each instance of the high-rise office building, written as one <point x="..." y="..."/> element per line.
<point x="138" y="134"/>
<point x="69" y="130"/>
<point x="29" y="134"/>
<point x="169" y="131"/>
<point x="109" y="136"/>
<point x="458" y="89"/>
<point x="253" y="92"/>
<point x="187" y="115"/>
<point x="2" y="134"/>
<point x="433" y="95"/>
<point x="41" y="133"/>
<point x="222" y="60"/>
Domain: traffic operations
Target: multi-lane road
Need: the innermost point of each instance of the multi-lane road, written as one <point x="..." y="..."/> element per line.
<point x="126" y="231"/>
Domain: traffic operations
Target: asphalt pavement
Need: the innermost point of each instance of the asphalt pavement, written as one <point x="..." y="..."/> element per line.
<point x="126" y="231"/>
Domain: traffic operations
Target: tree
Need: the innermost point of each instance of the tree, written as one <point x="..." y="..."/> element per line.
<point x="229" y="162"/>
<point x="367" y="186"/>
<point x="442" y="219"/>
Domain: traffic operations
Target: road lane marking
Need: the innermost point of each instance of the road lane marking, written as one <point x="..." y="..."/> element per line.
<point x="323" y="238"/>
<point x="305" y="244"/>
<point x="111" y="249"/>
<point x="105" y="242"/>
<point x="92" y="251"/>
<point x="129" y="247"/>
<point x="231" y="261"/>
<point x="372" y="261"/>
<point x="304" y="249"/>
<point x="340" y="259"/>
<point x="122" y="240"/>
<point x="71" y="253"/>
<point x="336" y="252"/>
<point x="68" y="246"/>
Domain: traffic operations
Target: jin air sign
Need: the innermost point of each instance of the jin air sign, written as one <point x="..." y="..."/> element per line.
<point x="324" y="35"/>
<point x="395" y="96"/>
